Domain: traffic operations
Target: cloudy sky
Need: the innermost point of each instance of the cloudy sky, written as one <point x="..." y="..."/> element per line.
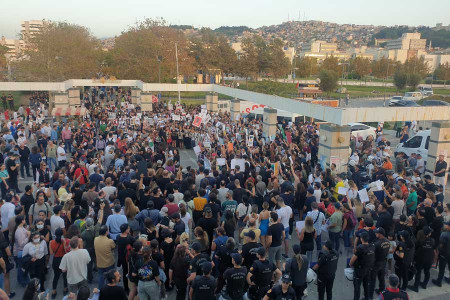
<point x="107" y="18"/>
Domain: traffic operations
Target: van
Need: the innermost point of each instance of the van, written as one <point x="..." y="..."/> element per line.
<point x="416" y="144"/>
<point x="426" y="91"/>
<point x="412" y="96"/>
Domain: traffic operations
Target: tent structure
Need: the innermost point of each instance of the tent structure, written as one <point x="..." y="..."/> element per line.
<point x="69" y="111"/>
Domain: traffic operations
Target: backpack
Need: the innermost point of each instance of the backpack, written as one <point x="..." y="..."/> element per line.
<point x="352" y="220"/>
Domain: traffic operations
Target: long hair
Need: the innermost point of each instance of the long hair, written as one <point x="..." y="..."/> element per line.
<point x="199" y="232"/>
<point x="299" y="259"/>
<point x="180" y="254"/>
<point x="31" y="289"/>
<point x="130" y="208"/>
<point x="19" y="219"/>
<point x="58" y="233"/>
<point x="309" y="225"/>
<point x="147" y="254"/>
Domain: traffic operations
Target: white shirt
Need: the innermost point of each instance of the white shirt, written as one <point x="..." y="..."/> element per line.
<point x="284" y="214"/>
<point x="55" y="223"/>
<point x="420" y="166"/>
<point x="61" y="153"/>
<point x="398" y="208"/>
<point x="317" y="194"/>
<point x="7" y="212"/>
<point x="75" y="263"/>
<point x="186" y="219"/>
<point x="109" y="190"/>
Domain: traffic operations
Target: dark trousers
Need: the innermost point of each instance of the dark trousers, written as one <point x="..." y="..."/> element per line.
<point x="24" y="166"/>
<point x="325" y="285"/>
<point x="68" y="145"/>
<point x="3" y="189"/>
<point x="57" y="273"/>
<point x="378" y="271"/>
<point x="334" y="238"/>
<point x="402" y="273"/>
<point x="299" y="290"/>
<point x="363" y="278"/>
<point x="90" y="265"/>
<point x="12" y="182"/>
<point x="37" y="270"/>
<point x="181" y="286"/>
<point x="443" y="262"/>
<point x="62" y="163"/>
<point x="124" y="265"/>
<point x="426" y="270"/>
<point x="35" y="169"/>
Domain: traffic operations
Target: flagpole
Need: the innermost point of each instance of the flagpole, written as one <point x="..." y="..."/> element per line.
<point x="178" y="84"/>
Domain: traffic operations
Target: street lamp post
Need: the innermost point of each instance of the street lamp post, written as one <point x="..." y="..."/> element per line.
<point x="385" y="83"/>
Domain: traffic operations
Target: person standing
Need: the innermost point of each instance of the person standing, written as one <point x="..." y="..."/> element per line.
<point x="382" y="246"/>
<point x="297" y="268"/>
<point x="51" y="154"/>
<point x="275" y="236"/>
<point x="424" y="259"/>
<point x="75" y="264"/>
<point x="104" y="252"/>
<point x="61" y="155"/>
<point x="235" y="278"/>
<point x="178" y="271"/>
<point x="439" y="170"/>
<point x="13" y="171"/>
<point x="260" y="276"/>
<point x="58" y="251"/>
<point x="114" y="222"/>
<point x="444" y="254"/>
<point x="335" y="227"/>
<point x="362" y="261"/>
<point x="66" y="135"/>
<point x="285" y="214"/>
<point x="203" y="287"/>
<point x="24" y="153"/>
<point x="283" y="291"/>
<point x="326" y="270"/>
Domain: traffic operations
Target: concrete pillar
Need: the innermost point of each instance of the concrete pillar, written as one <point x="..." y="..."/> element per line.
<point x="334" y="144"/>
<point x="74" y="97"/>
<point x="439" y="145"/>
<point x="235" y="109"/>
<point x="269" y="122"/>
<point x="61" y="100"/>
<point x="212" y="103"/>
<point x="135" y="96"/>
<point x="146" y="102"/>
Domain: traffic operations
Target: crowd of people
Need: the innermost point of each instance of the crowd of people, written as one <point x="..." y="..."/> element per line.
<point x="111" y="202"/>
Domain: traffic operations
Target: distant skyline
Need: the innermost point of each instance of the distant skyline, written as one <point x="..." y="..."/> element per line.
<point x="110" y="18"/>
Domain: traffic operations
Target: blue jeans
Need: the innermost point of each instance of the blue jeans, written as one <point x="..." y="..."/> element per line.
<point x="50" y="161"/>
<point x="2" y="277"/>
<point x="68" y="145"/>
<point x="334" y="238"/>
<point x="348" y="234"/>
<point x="22" y="278"/>
<point x="101" y="278"/>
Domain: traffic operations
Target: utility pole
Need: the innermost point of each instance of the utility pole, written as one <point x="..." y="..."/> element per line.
<point x="178" y="84"/>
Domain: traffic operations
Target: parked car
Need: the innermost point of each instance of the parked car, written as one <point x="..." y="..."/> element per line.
<point x="416" y="144"/>
<point x="395" y="99"/>
<point x="426" y="91"/>
<point x="413" y="96"/>
<point x="435" y="103"/>
<point x="404" y="103"/>
<point x="362" y="130"/>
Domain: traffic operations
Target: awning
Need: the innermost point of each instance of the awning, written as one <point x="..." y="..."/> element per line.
<point x="69" y="111"/>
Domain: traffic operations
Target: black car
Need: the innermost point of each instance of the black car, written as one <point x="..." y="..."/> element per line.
<point x="435" y="103"/>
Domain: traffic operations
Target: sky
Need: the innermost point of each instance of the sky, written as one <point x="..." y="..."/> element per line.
<point x="108" y="18"/>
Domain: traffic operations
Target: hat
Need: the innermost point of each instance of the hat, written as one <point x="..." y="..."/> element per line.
<point x="286" y="278"/>
<point x="393" y="280"/>
<point x="310" y="190"/>
<point x="261" y="251"/>
<point x="380" y="230"/>
<point x="164" y="211"/>
<point x="206" y="267"/>
<point x="237" y="258"/>
<point x="196" y="247"/>
<point x="427" y="230"/>
<point x="251" y="234"/>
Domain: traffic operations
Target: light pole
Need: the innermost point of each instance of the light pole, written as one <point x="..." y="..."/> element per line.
<point x="343" y="68"/>
<point x="384" y="82"/>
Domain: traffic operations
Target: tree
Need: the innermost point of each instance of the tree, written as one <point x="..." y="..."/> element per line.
<point x="384" y="67"/>
<point x="149" y="46"/>
<point x="332" y="63"/>
<point x="59" y="51"/>
<point x="400" y="79"/>
<point x="416" y="65"/>
<point x="248" y="61"/>
<point x="442" y="72"/>
<point x="328" y="80"/>
<point x="3" y="62"/>
<point x="361" y="66"/>
<point x="279" y="64"/>
<point x="306" y="67"/>
<point x="413" y="80"/>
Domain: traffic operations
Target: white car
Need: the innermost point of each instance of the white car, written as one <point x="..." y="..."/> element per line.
<point x="395" y="99"/>
<point x="412" y="96"/>
<point x="417" y="144"/>
<point x="362" y="130"/>
<point x="426" y="91"/>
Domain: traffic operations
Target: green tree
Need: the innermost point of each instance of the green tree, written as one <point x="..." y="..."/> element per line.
<point x="413" y="81"/>
<point x="58" y="52"/>
<point x="306" y="67"/>
<point x="332" y="63"/>
<point x="328" y="80"/>
<point x="417" y="66"/>
<point x="383" y="67"/>
<point x="279" y="64"/>
<point x="149" y="46"/>
<point x="400" y="79"/>
<point x="3" y="63"/>
<point x="442" y="72"/>
<point x="361" y="66"/>
<point x="248" y="62"/>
